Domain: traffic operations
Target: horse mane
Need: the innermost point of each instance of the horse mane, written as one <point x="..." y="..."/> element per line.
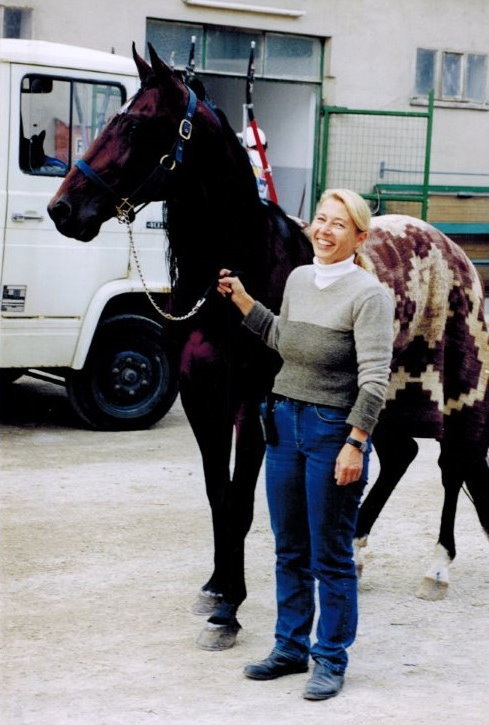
<point x="232" y="227"/>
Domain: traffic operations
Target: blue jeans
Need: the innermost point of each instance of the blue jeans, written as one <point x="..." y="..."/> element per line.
<point x="313" y="520"/>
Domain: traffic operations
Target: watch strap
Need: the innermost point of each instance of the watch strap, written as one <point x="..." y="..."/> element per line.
<point x="361" y="445"/>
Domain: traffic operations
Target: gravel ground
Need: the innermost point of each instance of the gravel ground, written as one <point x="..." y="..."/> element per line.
<point x="106" y="538"/>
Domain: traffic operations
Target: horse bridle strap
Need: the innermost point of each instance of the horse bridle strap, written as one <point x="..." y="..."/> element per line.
<point x="93" y="176"/>
<point x="126" y="209"/>
<point x="185" y="128"/>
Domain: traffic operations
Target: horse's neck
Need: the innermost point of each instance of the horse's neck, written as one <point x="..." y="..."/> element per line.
<point x="217" y="221"/>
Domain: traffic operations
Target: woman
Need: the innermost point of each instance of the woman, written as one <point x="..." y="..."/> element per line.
<point x="335" y="336"/>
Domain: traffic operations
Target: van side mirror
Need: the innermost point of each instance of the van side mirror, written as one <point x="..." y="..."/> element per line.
<point x="37" y="84"/>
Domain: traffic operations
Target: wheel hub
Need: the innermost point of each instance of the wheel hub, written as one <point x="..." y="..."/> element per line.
<point x="130" y="375"/>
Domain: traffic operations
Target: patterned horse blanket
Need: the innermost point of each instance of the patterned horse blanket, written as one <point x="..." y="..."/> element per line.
<point x="440" y="371"/>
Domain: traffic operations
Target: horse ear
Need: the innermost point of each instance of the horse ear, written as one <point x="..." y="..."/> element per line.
<point x="162" y="70"/>
<point x="144" y="70"/>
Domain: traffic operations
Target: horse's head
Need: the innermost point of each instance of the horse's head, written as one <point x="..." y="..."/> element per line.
<point x="139" y="154"/>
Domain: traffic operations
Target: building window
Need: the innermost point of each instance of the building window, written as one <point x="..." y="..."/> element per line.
<point x="172" y="41"/>
<point x="476" y="81"/>
<point x="226" y="50"/>
<point x="289" y="55"/>
<point x="454" y="77"/>
<point x="451" y="76"/>
<point x="425" y="71"/>
<point x="16" y="22"/>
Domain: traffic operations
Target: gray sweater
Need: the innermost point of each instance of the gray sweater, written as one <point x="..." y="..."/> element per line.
<point x="335" y="343"/>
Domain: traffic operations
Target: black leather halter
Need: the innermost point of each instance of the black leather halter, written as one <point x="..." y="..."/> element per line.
<point x="125" y="209"/>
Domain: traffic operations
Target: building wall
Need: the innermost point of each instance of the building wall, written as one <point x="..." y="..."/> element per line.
<point x="370" y="51"/>
<point x="373" y="66"/>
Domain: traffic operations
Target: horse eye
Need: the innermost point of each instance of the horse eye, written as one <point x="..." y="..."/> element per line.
<point x="127" y="126"/>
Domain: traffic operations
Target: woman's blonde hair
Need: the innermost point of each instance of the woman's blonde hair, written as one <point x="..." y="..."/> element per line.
<point x="356" y="206"/>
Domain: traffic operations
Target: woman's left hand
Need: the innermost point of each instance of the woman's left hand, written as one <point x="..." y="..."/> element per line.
<point x="349" y="465"/>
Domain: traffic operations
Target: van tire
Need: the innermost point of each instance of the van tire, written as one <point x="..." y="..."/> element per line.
<point x="129" y="381"/>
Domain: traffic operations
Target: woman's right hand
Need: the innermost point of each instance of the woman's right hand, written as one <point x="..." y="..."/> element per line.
<point x="233" y="288"/>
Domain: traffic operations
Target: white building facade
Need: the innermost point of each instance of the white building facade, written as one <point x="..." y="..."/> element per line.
<point x="355" y="54"/>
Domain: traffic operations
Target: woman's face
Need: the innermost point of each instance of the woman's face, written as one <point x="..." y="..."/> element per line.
<point x="334" y="235"/>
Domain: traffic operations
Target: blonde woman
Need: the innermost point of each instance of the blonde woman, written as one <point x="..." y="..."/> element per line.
<point x="335" y="336"/>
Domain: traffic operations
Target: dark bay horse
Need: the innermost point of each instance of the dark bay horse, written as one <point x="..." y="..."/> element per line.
<point x="170" y="144"/>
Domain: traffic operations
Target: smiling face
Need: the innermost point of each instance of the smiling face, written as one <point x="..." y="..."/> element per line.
<point x="333" y="232"/>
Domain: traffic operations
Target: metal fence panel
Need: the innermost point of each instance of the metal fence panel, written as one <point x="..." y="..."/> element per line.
<point x="366" y="149"/>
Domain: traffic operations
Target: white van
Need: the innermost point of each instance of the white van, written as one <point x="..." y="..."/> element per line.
<point x="76" y="313"/>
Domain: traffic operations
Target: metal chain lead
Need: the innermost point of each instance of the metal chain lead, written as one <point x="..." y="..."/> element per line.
<point x="124" y="218"/>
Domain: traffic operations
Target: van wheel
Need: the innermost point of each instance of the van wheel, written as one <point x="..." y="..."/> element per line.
<point x="128" y="381"/>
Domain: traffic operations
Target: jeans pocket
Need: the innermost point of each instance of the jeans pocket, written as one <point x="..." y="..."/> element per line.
<point x="331" y="415"/>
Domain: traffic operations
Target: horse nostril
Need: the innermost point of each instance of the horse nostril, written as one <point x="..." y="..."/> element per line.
<point x="59" y="212"/>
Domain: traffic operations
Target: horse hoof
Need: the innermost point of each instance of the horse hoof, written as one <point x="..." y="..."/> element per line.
<point x="216" y="637"/>
<point x="432" y="589"/>
<point x="206" y="602"/>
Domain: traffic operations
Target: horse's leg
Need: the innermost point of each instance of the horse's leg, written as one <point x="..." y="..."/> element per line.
<point x="434" y="584"/>
<point x="220" y="631"/>
<point x="395" y="453"/>
<point x="456" y="465"/>
<point x="212" y="428"/>
<point x="211" y="402"/>
<point x="249" y="450"/>
<point x="477" y="481"/>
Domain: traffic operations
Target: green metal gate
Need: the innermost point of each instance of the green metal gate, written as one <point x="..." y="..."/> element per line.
<point x="378" y="154"/>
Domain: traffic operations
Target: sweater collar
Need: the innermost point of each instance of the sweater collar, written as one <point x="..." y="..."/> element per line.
<point x="326" y="274"/>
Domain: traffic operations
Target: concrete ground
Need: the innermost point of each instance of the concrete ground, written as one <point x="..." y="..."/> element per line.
<point x="106" y="538"/>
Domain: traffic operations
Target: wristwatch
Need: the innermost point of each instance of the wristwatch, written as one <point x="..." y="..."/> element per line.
<point x="361" y="445"/>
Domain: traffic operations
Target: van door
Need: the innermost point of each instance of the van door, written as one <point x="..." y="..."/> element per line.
<point x="47" y="279"/>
